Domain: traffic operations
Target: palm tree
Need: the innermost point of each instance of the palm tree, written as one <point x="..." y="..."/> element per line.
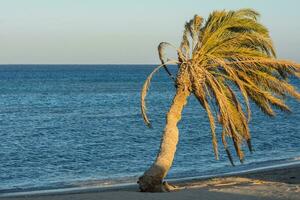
<point x="230" y="52"/>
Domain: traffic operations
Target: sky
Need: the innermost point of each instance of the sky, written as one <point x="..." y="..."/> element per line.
<point x="122" y="31"/>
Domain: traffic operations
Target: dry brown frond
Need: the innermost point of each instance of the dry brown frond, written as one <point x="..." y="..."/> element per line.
<point x="144" y="93"/>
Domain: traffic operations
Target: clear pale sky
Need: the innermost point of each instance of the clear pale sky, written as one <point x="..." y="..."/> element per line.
<point x="122" y="31"/>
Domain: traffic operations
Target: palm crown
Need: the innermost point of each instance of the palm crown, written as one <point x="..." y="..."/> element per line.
<point x="230" y="51"/>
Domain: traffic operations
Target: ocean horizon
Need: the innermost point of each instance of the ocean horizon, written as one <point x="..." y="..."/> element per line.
<point x="79" y="125"/>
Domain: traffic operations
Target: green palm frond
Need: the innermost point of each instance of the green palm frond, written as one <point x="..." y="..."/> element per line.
<point x="232" y="51"/>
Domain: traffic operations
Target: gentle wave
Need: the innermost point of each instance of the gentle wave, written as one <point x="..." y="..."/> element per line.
<point x="67" y="126"/>
<point x="125" y="182"/>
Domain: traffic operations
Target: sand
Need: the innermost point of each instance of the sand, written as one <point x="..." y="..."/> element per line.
<point x="277" y="183"/>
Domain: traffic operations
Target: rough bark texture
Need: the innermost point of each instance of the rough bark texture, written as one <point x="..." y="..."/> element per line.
<point x="152" y="180"/>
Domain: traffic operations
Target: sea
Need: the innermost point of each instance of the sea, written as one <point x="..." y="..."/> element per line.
<point x="64" y="126"/>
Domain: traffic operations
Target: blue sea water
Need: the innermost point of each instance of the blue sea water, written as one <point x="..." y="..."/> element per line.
<point x="73" y="125"/>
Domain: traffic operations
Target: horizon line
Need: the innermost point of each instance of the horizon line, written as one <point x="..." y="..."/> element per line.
<point x="80" y="64"/>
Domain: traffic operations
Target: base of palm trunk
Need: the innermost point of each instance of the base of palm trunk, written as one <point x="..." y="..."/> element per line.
<point x="150" y="184"/>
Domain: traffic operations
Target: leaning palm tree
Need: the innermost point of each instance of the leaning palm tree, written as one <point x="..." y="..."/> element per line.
<point x="230" y="52"/>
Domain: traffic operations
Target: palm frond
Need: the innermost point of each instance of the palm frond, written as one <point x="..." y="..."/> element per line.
<point x="162" y="57"/>
<point x="231" y="54"/>
<point x="237" y="50"/>
<point x="144" y="92"/>
<point x="199" y="94"/>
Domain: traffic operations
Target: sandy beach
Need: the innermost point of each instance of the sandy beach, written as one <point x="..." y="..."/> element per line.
<point x="276" y="183"/>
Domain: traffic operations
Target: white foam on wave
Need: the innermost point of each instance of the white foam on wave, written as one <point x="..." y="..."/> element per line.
<point x="108" y="185"/>
<point x="297" y="158"/>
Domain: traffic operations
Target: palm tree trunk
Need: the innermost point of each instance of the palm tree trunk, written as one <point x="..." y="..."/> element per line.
<point x="152" y="179"/>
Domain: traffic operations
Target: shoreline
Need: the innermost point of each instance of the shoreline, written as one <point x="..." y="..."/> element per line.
<point x="279" y="172"/>
<point x="91" y="185"/>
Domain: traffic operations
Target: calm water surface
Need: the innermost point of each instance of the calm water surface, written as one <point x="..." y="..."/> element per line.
<point x="75" y="125"/>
